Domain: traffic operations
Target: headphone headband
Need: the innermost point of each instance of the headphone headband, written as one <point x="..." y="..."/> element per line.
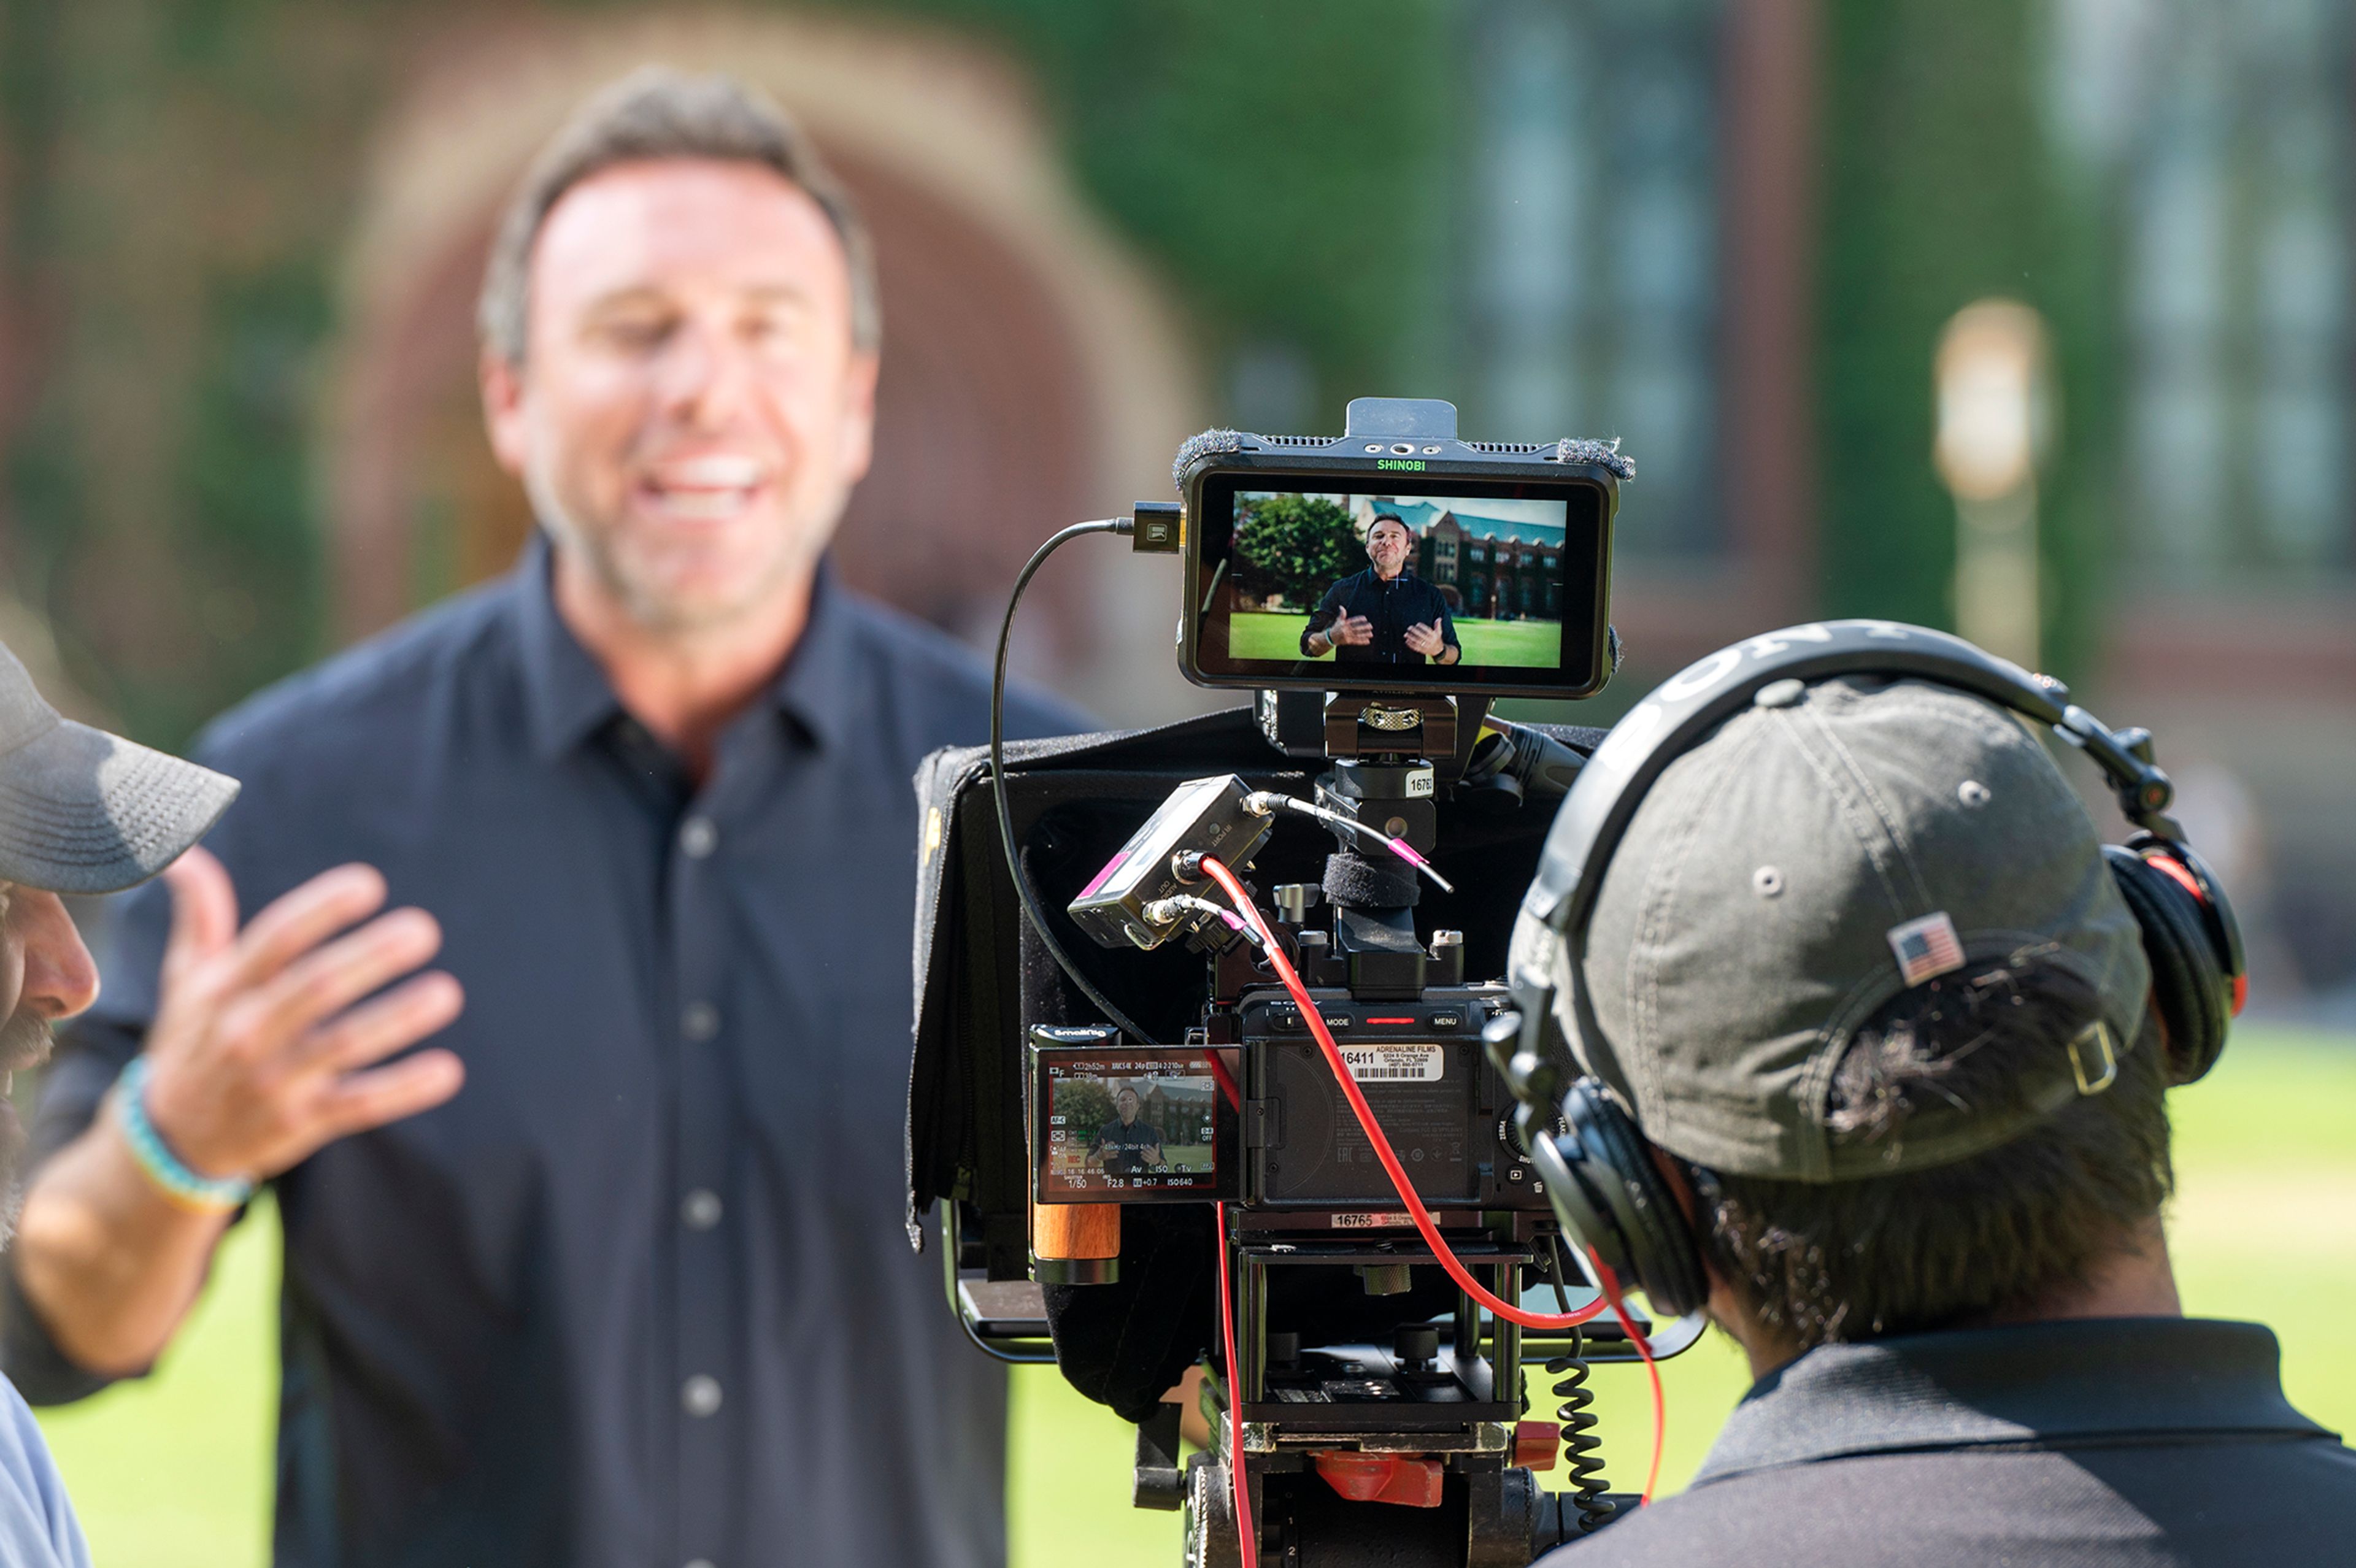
<point x="1688" y="704"/>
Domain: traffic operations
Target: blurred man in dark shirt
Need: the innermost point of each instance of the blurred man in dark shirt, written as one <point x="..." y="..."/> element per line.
<point x="1126" y="1146"/>
<point x="1384" y="614"/>
<point x="642" y="1293"/>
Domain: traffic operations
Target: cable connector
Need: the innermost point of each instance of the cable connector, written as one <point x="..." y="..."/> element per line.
<point x="1155" y="527"/>
<point x="1185" y="909"/>
<point x="1269" y="802"/>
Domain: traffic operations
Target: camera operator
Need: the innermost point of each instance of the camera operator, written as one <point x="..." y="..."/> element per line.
<point x="1384" y="614"/>
<point x="641" y="1293"/>
<point x="1864" y="981"/>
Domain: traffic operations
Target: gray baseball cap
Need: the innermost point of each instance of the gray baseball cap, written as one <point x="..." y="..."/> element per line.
<point x="1824" y="848"/>
<point x="82" y="811"/>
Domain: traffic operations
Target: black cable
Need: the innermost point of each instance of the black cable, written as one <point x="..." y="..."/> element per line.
<point x="1029" y="898"/>
<point x="1582" y="1461"/>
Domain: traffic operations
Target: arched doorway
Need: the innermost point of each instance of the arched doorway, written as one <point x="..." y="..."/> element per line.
<point x="1032" y="376"/>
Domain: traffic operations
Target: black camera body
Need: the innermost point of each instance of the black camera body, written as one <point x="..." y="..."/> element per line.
<point x="1138" y="1171"/>
<point x="1422" y="1068"/>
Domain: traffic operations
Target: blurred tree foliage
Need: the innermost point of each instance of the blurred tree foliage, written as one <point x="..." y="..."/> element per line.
<point x="1940" y="190"/>
<point x="1286" y="161"/>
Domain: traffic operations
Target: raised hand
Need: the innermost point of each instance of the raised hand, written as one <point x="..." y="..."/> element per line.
<point x="1425" y="638"/>
<point x="264" y="1048"/>
<point x="1355" y="631"/>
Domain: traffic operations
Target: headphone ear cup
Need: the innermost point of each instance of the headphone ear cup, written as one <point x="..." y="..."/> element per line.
<point x="2188" y="983"/>
<point x="1661" y="1253"/>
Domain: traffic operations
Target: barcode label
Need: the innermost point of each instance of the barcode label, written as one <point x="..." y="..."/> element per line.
<point x="1396" y="1064"/>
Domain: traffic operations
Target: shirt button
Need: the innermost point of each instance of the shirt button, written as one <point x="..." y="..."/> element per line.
<point x="700" y="1395"/>
<point x="699" y="1210"/>
<point x="701" y="1020"/>
<point x="698" y="837"/>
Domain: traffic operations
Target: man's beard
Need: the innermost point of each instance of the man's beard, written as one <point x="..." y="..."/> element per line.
<point x="642" y="602"/>
<point x="24" y="1041"/>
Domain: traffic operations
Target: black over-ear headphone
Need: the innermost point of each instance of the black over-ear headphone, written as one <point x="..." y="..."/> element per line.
<point x="1608" y="1192"/>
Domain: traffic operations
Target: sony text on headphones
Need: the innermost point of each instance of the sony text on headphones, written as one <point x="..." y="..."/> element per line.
<point x="1599" y="1166"/>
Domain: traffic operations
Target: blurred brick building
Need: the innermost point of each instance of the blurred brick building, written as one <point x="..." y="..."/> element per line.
<point x="238" y="244"/>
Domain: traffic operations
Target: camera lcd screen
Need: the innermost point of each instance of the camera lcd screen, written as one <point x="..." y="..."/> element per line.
<point x="1432" y="582"/>
<point x="1122" y="1126"/>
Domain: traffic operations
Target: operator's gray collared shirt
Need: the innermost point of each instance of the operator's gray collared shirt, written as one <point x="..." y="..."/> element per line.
<point x="2098" y="1442"/>
<point x="642" y="1293"/>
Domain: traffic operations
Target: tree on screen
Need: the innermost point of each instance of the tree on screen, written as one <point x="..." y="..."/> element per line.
<point x="1293" y="547"/>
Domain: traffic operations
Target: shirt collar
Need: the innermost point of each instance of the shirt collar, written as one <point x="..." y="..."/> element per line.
<point x="818" y="687"/>
<point x="567" y="696"/>
<point x="2039" y="1382"/>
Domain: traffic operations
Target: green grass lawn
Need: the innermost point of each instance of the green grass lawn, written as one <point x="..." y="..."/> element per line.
<point x="174" y="1472"/>
<point x="1261" y="634"/>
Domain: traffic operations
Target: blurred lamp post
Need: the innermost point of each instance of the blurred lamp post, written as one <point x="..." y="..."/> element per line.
<point x="1994" y="394"/>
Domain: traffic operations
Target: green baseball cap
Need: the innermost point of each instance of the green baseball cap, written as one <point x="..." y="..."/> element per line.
<point x="82" y="811"/>
<point x="1824" y="848"/>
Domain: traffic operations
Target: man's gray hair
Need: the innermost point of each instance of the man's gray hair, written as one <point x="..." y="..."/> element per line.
<point x="659" y="113"/>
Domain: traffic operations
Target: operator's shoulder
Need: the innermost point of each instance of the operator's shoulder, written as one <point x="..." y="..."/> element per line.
<point x="378" y="693"/>
<point x="941" y="685"/>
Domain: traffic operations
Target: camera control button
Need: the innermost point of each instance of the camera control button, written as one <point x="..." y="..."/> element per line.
<point x="1449" y="1019"/>
<point x="1337" y="1023"/>
<point x="700" y="1395"/>
<point x="698" y="838"/>
<point x="699" y="1210"/>
<point x="1285" y="1022"/>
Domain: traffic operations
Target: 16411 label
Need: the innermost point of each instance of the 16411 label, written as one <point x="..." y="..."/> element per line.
<point x="1386" y="1062"/>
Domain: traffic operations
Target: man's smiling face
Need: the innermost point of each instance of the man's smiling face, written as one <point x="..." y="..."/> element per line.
<point x="690" y="413"/>
<point x="1125" y="1102"/>
<point x="1387" y="546"/>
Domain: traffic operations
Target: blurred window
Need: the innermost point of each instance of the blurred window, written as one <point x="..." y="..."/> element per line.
<point x="2227" y="131"/>
<point x="1591" y="278"/>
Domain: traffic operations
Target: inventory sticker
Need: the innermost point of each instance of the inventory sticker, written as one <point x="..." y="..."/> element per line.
<point x="1392" y="1220"/>
<point x="1386" y="1062"/>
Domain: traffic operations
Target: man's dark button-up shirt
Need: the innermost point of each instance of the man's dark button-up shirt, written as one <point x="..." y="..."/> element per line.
<point x="642" y="1293"/>
<point x="1392" y="606"/>
<point x="2106" y="1443"/>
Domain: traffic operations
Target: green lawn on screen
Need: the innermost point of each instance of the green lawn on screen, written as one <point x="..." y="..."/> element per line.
<point x="174" y="1472"/>
<point x="1263" y="634"/>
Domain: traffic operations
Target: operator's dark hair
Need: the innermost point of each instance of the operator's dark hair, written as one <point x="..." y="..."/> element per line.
<point x="659" y="113"/>
<point x="1959" y="1244"/>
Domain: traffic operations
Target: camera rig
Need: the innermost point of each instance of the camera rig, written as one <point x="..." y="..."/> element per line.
<point x="1365" y="1364"/>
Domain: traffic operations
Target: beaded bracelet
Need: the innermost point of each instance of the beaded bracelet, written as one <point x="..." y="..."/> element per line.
<point x="185" y="1187"/>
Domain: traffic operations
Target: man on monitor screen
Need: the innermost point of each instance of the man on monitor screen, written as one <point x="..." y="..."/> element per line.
<point x="1128" y="1147"/>
<point x="1384" y="614"/>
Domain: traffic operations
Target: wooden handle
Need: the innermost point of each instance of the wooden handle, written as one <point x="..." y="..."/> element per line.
<point x="1075" y="1229"/>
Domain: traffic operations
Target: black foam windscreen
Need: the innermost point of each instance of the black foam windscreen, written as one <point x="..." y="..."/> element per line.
<point x="1356" y="879"/>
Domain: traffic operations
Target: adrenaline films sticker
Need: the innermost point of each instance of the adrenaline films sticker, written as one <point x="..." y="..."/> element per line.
<point x="1389" y="1062"/>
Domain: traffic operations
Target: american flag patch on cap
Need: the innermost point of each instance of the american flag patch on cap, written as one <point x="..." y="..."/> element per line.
<point x="1926" y="948"/>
